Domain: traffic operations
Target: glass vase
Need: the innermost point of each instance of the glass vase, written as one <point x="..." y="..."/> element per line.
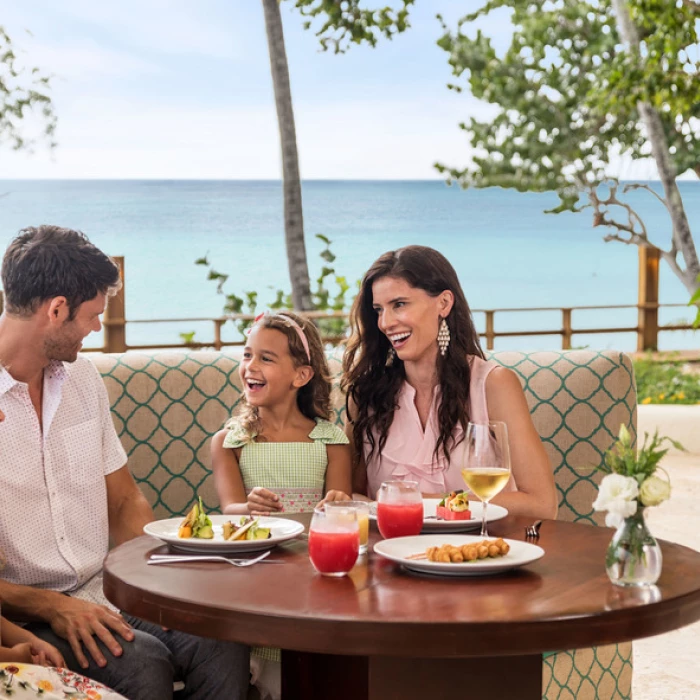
<point x="634" y="556"/>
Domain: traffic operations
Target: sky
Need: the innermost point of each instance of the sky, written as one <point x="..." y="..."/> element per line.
<point x="176" y="89"/>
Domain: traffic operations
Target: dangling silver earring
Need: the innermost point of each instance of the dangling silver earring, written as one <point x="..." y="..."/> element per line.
<point x="390" y="357"/>
<point x="443" y="337"/>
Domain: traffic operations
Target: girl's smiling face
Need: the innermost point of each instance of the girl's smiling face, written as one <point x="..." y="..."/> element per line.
<point x="409" y="317"/>
<point x="267" y="368"/>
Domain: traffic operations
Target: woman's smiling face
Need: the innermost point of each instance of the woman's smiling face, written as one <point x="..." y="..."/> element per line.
<point x="409" y="317"/>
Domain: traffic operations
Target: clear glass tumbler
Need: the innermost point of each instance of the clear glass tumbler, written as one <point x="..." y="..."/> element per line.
<point x="361" y="509"/>
<point x="334" y="541"/>
<point x="399" y="509"/>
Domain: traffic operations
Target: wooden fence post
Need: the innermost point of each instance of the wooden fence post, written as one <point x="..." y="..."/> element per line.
<point x="648" y="304"/>
<point x="114" y="317"/>
<point x="489" y="330"/>
<point x="566" y="329"/>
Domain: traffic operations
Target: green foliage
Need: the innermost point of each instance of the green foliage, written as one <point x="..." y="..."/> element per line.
<point x="22" y="91"/>
<point x="666" y="382"/>
<point x="567" y="93"/>
<point x="622" y="458"/>
<point x="345" y="22"/>
<point x="695" y="301"/>
<point x="187" y="338"/>
<point x="331" y="294"/>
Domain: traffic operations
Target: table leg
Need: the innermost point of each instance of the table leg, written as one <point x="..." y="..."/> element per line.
<point x="314" y="676"/>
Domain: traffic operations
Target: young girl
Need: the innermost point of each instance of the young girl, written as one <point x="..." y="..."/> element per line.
<point x="280" y="453"/>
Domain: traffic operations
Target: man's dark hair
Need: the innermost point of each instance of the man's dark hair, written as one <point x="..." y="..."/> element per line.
<point x="49" y="261"/>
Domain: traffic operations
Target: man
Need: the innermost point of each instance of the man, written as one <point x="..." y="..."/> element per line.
<point x="65" y="488"/>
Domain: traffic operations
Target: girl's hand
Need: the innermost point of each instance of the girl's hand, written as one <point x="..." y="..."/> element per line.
<point x="19" y="653"/>
<point x="334" y="495"/>
<point x="262" y="501"/>
<point x="45" y="654"/>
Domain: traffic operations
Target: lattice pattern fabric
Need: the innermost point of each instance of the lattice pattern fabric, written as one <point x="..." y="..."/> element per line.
<point x="600" y="673"/>
<point x="166" y="406"/>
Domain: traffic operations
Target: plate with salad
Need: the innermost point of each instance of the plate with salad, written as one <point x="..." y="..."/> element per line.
<point x="222" y="534"/>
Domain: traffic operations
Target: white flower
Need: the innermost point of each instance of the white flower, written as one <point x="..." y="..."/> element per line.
<point x="618" y="495"/>
<point x="654" y="491"/>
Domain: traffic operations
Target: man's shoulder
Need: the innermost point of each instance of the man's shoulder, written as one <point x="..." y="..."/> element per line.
<point x="82" y="370"/>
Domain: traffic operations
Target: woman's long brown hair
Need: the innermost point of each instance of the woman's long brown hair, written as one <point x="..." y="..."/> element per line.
<point x="314" y="398"/>
<point x="372" y="386"/>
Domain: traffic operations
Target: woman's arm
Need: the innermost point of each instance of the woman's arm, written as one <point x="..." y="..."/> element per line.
<point x="227" y="477"/>
<point x="536" y="496"/>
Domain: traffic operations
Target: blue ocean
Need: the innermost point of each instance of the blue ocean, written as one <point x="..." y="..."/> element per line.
<point x="507" y="251"/>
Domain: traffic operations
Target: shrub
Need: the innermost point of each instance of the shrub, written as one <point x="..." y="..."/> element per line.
<point x="669" y="382"/>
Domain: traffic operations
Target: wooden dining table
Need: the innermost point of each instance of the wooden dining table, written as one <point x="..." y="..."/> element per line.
<point x="382" y="632"/>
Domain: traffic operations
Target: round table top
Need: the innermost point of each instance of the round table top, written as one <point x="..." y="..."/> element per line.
<point x="562" y="601"/>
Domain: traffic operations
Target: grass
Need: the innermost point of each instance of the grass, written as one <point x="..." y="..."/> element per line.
<point x="666" y="382"/>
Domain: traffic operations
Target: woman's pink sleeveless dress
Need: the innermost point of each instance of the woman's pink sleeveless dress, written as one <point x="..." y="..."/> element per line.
<point x="408" y="454"/>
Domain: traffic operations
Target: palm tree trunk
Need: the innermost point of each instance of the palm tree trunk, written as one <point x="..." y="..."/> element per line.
<point x="291" y="181"/>
<point x="682" y="236"/>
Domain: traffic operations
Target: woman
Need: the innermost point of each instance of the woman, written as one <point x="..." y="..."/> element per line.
<point x="415" y="375"/>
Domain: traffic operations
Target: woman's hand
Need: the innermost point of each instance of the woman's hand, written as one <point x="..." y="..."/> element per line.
<point x="262" y="501"/>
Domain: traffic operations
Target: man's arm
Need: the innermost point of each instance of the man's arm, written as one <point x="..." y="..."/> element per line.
<point x="128" y="508"/>
<point x="75" y="620"/>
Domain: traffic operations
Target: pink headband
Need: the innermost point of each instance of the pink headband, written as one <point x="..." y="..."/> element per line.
<point x="291" y="322"/>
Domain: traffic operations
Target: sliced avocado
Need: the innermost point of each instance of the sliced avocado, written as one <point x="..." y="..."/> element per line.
<point x="263" y="533"/>
<point x="206" y="533"/>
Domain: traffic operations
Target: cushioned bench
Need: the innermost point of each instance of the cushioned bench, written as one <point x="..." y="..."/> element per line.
<point x="166" y="406"/>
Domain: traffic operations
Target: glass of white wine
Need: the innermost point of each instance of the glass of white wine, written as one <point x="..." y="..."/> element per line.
<point x="486" y="467"/>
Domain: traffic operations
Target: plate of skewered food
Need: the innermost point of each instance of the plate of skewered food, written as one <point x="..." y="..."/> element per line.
<point x="458" y="555"/>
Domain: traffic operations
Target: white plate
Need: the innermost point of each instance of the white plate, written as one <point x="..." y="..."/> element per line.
<point x="431" y="524"/>
<point x="398" y="548"/>
<point x="281" y="531"/>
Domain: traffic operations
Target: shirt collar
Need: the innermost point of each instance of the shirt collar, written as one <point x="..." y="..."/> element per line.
<point x="7" y="381"/>
<point x="55" y="371"/>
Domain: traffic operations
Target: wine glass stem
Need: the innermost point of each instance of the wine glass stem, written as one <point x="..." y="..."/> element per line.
<point x="484" y="533"/>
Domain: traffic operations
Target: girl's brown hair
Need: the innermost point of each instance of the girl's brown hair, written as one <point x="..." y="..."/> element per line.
<point x="372" y="386"/>
<point x="314" y="398"/>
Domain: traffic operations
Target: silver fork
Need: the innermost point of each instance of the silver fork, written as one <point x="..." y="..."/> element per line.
<point x="533" y="530"/>
<point x="169" y="559"/>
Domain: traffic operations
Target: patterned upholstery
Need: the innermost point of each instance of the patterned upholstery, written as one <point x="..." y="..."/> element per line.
<point x="166" y="405"/>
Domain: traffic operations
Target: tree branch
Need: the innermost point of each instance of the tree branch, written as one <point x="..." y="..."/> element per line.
<point x="642" y="186"/>
<point x="634" y="228"/>
<point x="692" y="6"/>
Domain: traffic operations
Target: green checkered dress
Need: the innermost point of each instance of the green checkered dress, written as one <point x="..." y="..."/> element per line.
<point x="295" y="471"/>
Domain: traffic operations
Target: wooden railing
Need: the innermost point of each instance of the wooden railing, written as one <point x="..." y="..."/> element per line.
<point x="647" y="328"/>
<point x="114" y="328"/>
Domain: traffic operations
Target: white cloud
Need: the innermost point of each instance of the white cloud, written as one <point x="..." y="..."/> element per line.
<point x="158" y="25"/>
<point x="124" y="139"/>
<point x="86" y="60"/>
